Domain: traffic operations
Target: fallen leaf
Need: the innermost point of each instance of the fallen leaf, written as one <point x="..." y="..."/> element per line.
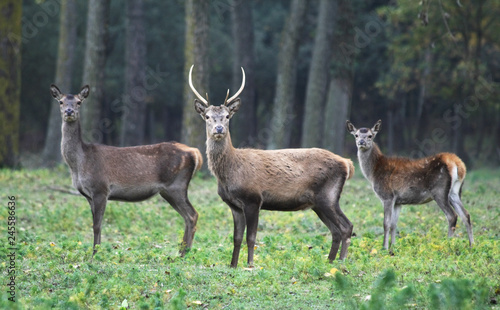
<point x="373" y="252"/>
<point x="52" y="244"/>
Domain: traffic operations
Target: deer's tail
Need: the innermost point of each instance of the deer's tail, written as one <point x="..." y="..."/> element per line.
<point x="350" y="168"/>
<point x="198" y="159"/>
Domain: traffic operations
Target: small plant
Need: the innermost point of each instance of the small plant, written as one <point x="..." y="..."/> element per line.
<point x="141" y="263"/>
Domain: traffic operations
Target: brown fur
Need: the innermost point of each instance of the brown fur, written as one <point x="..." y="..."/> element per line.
<point x="282" y="180"/>
<point x="398" y="173"/>
<point x="287" y="179"/>
<point x="102" y="172"/>
<point x="399" y="181"/>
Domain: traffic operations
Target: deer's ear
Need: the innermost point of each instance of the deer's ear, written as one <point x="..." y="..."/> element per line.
<point x="350" y="127"/>
<point x="376" y="127"/>
<point x="234" y="106"/>
<point x="200" y="107"/>
<point x="55" y="92"/>
<point x="84" y="92"/>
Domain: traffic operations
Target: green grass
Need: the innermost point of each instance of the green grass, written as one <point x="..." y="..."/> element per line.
<point x="138" y="260"/>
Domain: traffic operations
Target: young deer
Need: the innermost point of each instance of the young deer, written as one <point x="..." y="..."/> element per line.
<point x="401" y="181"/>
<point x="281" y="180"/>
<point x="102" y="173"/>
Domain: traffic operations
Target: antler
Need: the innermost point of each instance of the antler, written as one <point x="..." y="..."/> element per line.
<point x="227" y="95"/>
<point x="227" y="101"/>
<point x="205" y="102"/>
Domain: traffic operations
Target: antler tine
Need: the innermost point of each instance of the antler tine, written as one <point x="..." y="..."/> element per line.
<point x="227" y="95"/>
<point x="239" y="90"/>
<point x="205" y="102"/>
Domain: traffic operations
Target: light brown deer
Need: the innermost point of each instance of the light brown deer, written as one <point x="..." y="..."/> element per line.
<point x="401" y="181"/>
<point x="102" y="173"/>
<point x="250" y="180"/>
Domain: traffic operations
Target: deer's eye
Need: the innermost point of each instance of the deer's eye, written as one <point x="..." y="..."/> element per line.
<point x="60" y="102"/>
<point x="227" y="116"/>
<point x="207" y="117"/>
<point x="370" y="136"/>
<point x="357" y="136"/>
<point x="78" y="102"/>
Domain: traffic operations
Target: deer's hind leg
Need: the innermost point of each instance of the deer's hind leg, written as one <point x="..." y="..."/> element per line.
<point x="178" y="199"/>
<point x="456" y="202"/>
<point x="328" y="210"/>
<point x="440" y="195"/>
<point x="326" y="216"/>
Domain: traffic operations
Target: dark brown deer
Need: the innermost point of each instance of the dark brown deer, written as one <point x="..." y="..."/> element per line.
<point x="401" y="181"/>
<point x="250" y="180"/>
<point x="102" y="173"/>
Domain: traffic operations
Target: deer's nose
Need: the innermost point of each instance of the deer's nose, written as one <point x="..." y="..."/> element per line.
<point x="69" y="111"/>
<point x="362" y="142"/>
<point x="219" y="129"/>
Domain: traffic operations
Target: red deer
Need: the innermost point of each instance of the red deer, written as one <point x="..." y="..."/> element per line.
<point x="401" y="181"/>
<point x="250" y="180"/>
<point x="101" y="173"/>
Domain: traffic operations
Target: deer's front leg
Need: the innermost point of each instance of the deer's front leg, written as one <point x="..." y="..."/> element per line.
<point x="394" y="223"/>
<point x="239" y="229"/>
<point x="252" y="221"/>
<point x="98" y="207"/>
<point x="388" y="213"/>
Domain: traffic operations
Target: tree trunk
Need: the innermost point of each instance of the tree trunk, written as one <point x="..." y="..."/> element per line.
<point x="281" y="119"/>
<point x="10" y="81"/>
<point x="93" y="71"/>
<point x="336" y="111"/>
<point x="196" y="52"/>
<point x="339" y="97"/>
<point x="318" y="75"/>
<point x="51" y="154"/>
<point x="246" y="120"/>
<point x="390" y="130"/>
<point x="494" y="154"/>
<point x="420" y="121"/>
<point x="135" y="94"/>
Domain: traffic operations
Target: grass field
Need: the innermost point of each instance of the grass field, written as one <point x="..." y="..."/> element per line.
<point x="138" y="266"/>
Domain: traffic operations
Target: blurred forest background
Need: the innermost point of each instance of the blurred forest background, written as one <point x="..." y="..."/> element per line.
<point x="429" y="69"/>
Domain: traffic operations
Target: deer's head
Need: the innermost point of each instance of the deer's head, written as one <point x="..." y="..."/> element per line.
<point x="364" y="136"/>
<point x="69" y="104"/>
<point x="216" y="117"/>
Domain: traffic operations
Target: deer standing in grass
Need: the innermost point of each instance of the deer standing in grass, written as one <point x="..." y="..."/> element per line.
<point x="102" y="173"/>
<point x="281" y="180"/>
<point x="401" y="181"/>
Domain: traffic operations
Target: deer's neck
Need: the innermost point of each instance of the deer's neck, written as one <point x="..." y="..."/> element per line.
<point x="71" y="143"/>
<point x="368" y="160"/>
<point x="221" y="157"/>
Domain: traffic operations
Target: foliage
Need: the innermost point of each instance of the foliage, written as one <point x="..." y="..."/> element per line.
<point x="138" y="263"/>
<point x="440" y="72"/>
<point x="10" y="81"/>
